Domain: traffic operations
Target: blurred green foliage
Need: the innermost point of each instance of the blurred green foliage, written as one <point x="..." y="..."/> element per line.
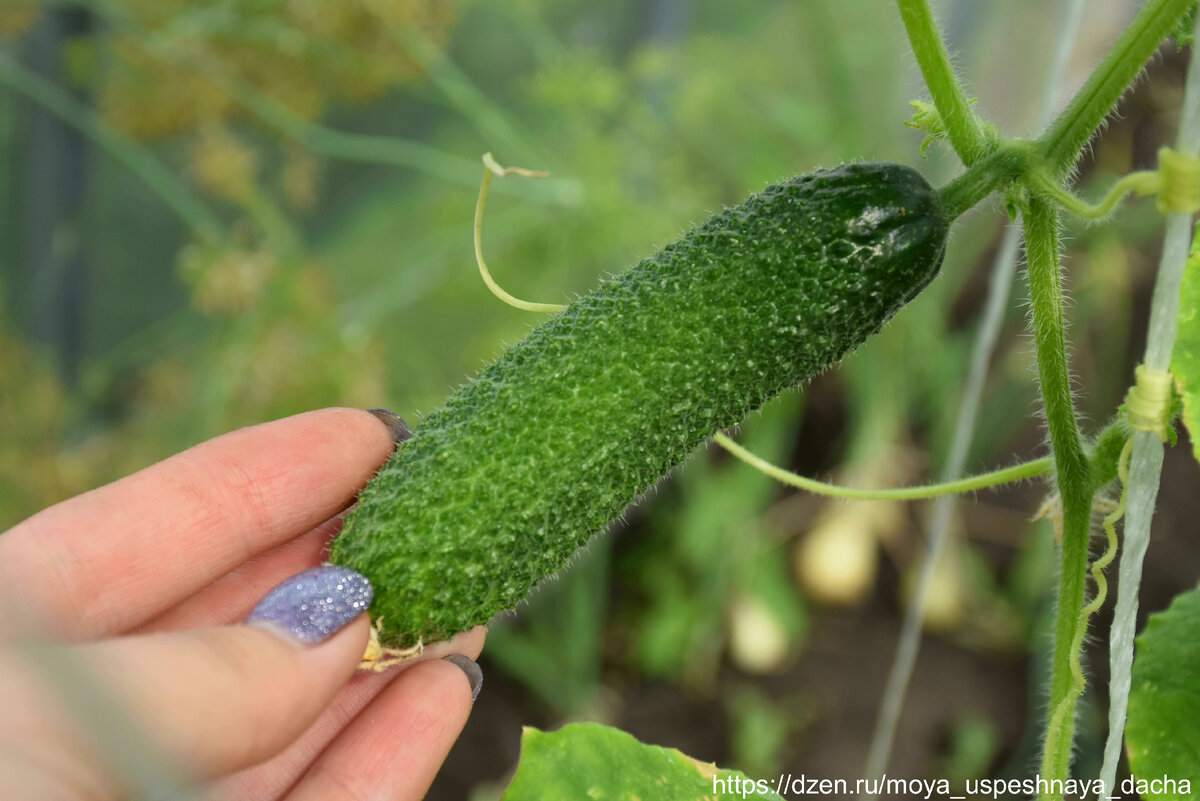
<point x="710" y="573"/>
<point x="973" y="746"/>
<point x="340" y="282"/>
<point x="761" y="727"/>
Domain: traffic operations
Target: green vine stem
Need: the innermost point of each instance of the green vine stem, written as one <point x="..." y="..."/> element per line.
<point x="1146" y="464"/>
<point x="1146" y="182"/>
<point x="1058" y="150"/>
<point x="1074" y="484"/>
<point x="1070" y="132"/>
<point x="1176" y="182"/>
<point x="1059" y="147"/>
<point x="967" y="134"/>
<point x="1000" y="283"/>
<point x="994" y="478"/>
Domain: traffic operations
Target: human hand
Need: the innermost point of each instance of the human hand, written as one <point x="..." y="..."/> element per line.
<point x="143" y="583"/>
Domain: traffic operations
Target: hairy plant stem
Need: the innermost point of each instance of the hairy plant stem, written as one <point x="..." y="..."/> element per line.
<point x="967" y="134"/>
<point x="990" y="173"/>
<point x="1072" y="473"/>
<point x="1000" y="283"/>
<point x="992" y="164"/>
<point x="1057" y="151"/>
<point x="1070" y="132"/>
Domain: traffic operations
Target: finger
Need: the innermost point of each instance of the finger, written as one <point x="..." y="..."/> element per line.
<point x="217" y="700"/>
<point x="115" y="557"/>
<point x="394" y="750"/>
<point x="231" y="597"/>
<point x="272" y="779"/>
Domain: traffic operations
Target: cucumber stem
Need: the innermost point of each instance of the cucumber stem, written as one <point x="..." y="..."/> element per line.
<point x="985" y="176"/>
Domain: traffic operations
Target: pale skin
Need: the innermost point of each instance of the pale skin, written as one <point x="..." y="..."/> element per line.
<point x="146" y="581"/>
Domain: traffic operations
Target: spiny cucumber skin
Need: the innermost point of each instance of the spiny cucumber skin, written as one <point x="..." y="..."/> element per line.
<point x="544" y="447"/>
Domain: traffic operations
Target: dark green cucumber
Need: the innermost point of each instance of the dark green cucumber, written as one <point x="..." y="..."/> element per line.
<point x="543" y="448"/>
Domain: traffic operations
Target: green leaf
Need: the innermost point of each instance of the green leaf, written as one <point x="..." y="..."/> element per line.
<point x="1186" y="356"/>
<point x="1185" y="29"/>
<point x="1185" y="360"/>
<point x="1162" y="734"/>
<point x="588" y="760"/>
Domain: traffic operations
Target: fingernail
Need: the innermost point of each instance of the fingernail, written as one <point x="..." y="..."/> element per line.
<point x="313" y="605"/>
<point x="395" y="424"/>
<point x="468" y="666"/>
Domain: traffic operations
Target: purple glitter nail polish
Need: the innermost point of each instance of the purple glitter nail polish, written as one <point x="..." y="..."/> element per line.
<point x="313" y="605"/>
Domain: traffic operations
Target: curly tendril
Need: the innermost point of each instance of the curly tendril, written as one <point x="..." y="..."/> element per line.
<point x="1176" y="182"/>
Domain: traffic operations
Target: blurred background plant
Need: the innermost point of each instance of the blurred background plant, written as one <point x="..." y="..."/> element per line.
<point x="216" y="213"/>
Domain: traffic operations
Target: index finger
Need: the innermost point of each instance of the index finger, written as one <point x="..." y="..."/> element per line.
<point x="110" y="559"/>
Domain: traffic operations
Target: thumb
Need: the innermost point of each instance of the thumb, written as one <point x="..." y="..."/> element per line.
<point x="220" y="699"/>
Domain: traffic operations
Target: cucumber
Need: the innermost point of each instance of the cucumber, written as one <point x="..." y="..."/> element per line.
<point x="556" y="438"/>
